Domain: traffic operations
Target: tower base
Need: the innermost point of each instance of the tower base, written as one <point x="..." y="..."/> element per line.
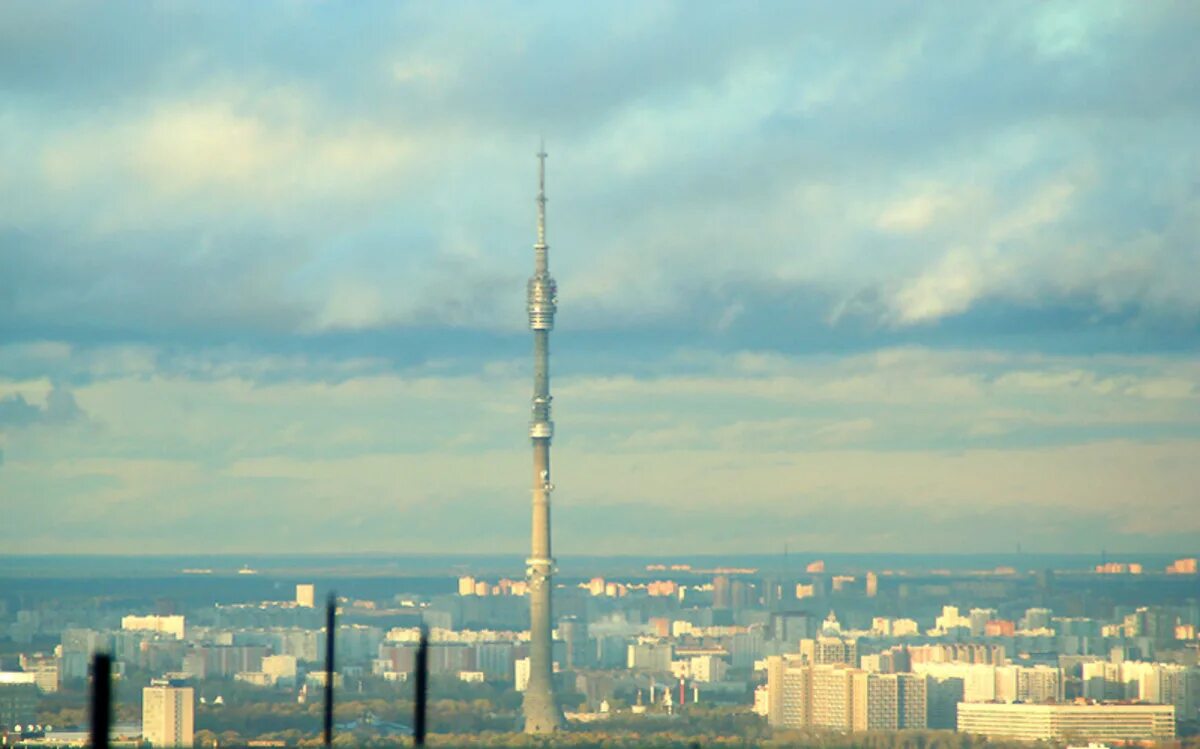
<point x="542" y="715"/>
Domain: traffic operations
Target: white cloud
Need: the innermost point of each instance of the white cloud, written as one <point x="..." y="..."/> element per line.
<point x="228" y="152"/>
<point x="923" y="431"/>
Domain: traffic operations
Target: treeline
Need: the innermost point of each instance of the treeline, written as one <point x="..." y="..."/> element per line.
<point x="579" y="739"/>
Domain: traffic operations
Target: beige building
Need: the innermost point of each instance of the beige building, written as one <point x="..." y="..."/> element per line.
<point x="280" y="668"/>
<point x="171" y="625"/>
<point x="521" y="674"/>
<point x="840" y="698"/>
<point x="708" y="668"/>
<point x="831" y="697"/>
<point x="168" y="715"/>
<point x="888" y="702"/>
<point x="983" y="682"/>
<point x="257" y="678"/>
<point x="306" y="595"/>
<point x="829" y="650"/>
<point x="1071" y="722"/>
<point x="650" y="655"/>
<point x="45" y="670"/>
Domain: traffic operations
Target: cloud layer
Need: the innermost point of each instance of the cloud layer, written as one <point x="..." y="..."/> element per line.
<point x="822" y="280"/>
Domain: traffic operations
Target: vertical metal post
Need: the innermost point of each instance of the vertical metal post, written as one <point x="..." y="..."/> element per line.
<point x="330" y="635"/>
<point x="421" y="689"/>
<point x="101" y="716"/>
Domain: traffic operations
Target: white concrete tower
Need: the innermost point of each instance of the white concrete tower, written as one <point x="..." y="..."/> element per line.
<point x="542" y="714"/>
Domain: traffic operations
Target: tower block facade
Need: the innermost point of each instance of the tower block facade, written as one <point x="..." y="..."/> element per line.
<point x="542" y="714"/>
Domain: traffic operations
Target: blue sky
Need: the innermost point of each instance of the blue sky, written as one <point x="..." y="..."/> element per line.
<point x="864" y="277"/>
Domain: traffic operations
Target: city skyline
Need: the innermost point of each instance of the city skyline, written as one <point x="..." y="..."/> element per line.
<point x="832" y="286"/>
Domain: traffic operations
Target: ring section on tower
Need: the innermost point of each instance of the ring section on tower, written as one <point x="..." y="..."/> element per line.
<point x="542" y="301"/>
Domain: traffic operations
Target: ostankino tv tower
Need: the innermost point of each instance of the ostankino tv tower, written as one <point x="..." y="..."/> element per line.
<point x="542" y="714"/>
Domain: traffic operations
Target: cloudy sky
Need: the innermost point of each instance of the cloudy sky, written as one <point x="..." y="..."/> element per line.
<point x="863" y="277"/>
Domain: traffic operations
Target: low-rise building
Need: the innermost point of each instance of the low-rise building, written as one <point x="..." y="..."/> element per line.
<point x="1070" y="722"/>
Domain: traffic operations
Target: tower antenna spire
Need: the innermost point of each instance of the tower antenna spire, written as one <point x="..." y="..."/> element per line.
<point x="541" y="199"/>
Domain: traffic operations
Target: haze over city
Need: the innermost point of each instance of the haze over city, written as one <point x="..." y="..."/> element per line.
<point x="867" y="279"/>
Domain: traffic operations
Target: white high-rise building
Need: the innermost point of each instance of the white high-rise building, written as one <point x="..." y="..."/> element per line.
<point x="950" y="620"/>
<point x="521" y="674"/>
<point x="977" y="620"/>
<point x="168" y="715"/>
<point x="708" y="668"/>
<point x="842" y="698"/>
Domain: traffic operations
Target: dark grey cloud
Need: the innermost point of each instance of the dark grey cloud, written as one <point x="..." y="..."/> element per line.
<point x="60" y="408"/>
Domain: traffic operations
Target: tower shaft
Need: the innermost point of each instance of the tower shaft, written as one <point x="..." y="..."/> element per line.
<point x="542" y="714"/>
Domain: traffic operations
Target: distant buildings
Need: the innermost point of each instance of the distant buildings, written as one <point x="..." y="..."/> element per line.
<point x="172" y="625"/>
<point x="650" y="656"/>
<point x="280" y="669"/>
<point x="822" y="650"/>
<point x="223" y="661"/>
<point x="45" y="671"/>
<point x="988" y="698"/>
<point x="1119" y="568"/>
<point x="888" y="702"/>
<point x="469" y="586"/>
<point x="722" y="592"/>
<point x="18" y="703"/>
<point x="306" y="595"/>
<point x="978" y="620"/>
<point x="1036" y="619"/>
<point x="881" y="626"/>
<point x="1183" y="567"/>
<point x="1155" y="683"/>
<point x="859" y="668"/>
<point x="950" y="620"/>
<point x="1072" y="722"/>
<point x="989" y="683"/>
<point x="78" y="647"/>
<point x="701" y="668"/>
<point x="168" y="715"/>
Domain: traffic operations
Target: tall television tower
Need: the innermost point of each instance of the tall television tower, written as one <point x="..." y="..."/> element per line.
<point x="542" y="714"/>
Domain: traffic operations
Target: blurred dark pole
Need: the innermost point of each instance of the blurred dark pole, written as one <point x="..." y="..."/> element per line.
<point x="422" y="689"/>
<point x="101" y="700"/>
<point x="330" y="629"/>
